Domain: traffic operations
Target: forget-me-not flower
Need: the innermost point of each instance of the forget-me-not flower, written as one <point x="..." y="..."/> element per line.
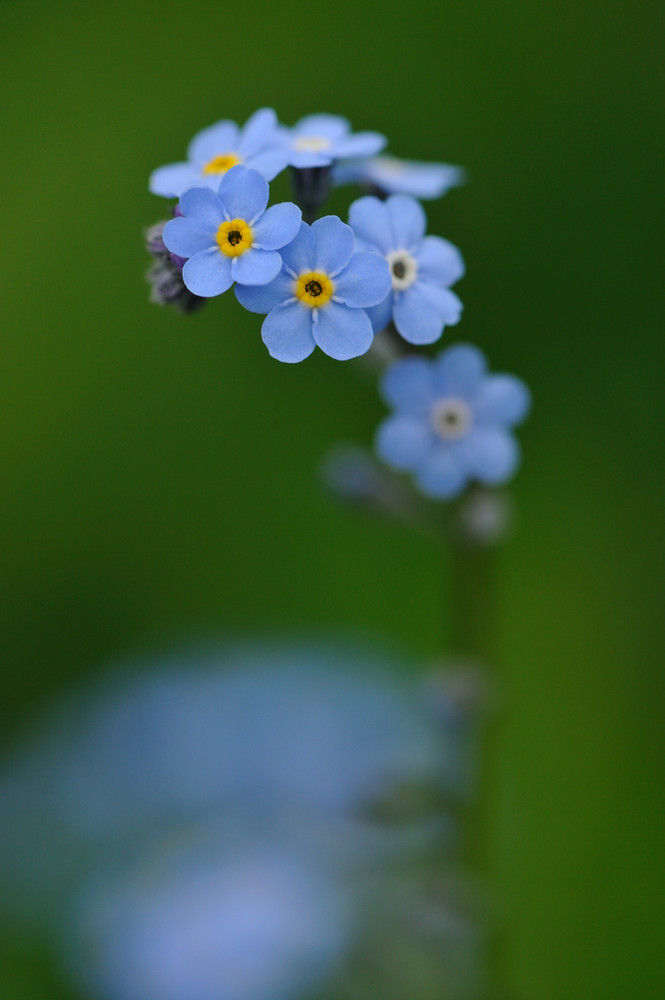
<point x="319" y="140"/>
<point x="320" y="295"/>
<point x="230" y="236"/>
<point x="452" y="421"/>
<point x="216" y="149"/>
<point x="422" y="267"/>
<point x="394" y="176"/>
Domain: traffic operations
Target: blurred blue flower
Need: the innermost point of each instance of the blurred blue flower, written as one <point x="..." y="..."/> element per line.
<point x="319" y="140"/>
<point x="394" y="176"/>
<point x="422" y="267"/>
<point x="218" y="148"/>
<point x="230" y="236"/>
<point x="452" y="421"/>
<point x="320" y="295"/>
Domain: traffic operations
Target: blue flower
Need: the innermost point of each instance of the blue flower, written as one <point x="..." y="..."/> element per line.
<point x="452" y="421"/>
<point x="229" y="236"/>
<point x="422" y="267"/>
<point x="318" y="140"/>
<point x="218" y="148"/>
<point x="394" y="176"/>
<point x="320" y="295"/>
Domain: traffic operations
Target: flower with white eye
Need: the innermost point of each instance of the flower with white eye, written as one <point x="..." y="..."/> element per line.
<point x="452" y="421"/>
<point x="319" y="140"/>
<point x="216" y="149"/>
<point x="422" y="267"/>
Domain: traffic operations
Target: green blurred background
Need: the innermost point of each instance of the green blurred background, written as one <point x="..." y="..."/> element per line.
<point x="157" y="471"/>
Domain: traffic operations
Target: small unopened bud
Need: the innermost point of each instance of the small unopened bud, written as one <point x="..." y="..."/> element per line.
<point x="165" y="275"/>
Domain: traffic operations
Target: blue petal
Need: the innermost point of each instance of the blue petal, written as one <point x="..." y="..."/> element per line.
<point x="170" y="181"/>
<point x="287" y="332"/>
<point x="216" y="140"/>
<point x="360" y="144"/>
<point x="304" y="158"/>
<point x="403" y="442"/>
<point x="442" y="475"/>
<point x="501" y="399"/>
<point x="269" y="163"/>
<point x="459" y="370"/>
<point x="208" y="273"/>
<point x="342" y="333"/>
<point x="185" y="238"/>
<point x="333" y="244"/>
<point x="257" y="131"/>
<point x="365" y="281"/>
<point x="395" y="176"/>
<point x="263" y="298"/>
<point x="439" y="260"/>
<point x="298" y="256"/>
<point x="491" y="454"/>
<point x="421" y="312"/>
<point x="244" y="193"/>
<point x="408" y="386"/>
<point x="325" y="126"/>
<point x="202" y="206"/>
<point x="368" y="217"/>
<point x="256" y="267"/>
<point x="407" y="220"/>
<point x="277" y="226"/>
<point x="381" y="315"/>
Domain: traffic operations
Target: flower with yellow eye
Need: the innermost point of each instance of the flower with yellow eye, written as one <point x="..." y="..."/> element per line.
<point x="230" y="236"/>
<point x="258" y="145"/>
<point x="320" y="295"/>
<point x="452" y="421"/>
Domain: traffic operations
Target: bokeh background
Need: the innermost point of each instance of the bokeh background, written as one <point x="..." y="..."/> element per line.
<point x="158" y="472"/>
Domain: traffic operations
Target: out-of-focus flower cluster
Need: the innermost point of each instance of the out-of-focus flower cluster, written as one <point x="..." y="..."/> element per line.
<point x="322" y="282"/>
<point x="233" y="826"/>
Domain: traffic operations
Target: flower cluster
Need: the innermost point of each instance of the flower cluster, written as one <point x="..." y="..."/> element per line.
<point x="322" y="282"/>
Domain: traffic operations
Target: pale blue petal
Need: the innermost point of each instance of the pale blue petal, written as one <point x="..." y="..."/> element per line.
<point x="403" y="442"/>
<point x="442" y="476"/>
<point x="501" y="399"/>
<point x="407" y="220"/>
<point x="299" y="254"/>
<point x="287" y="332"/>
<point x="491" y="454"/>
<point x="408" y="386"/>
<point x="277" y="226"/>
<point x="333" y="244"/>
<point x="269" y="162"/>
<point x="202" y="206"/>
<point x="304" y="158"/>
<point x="421" y="312"/>
<point x="325" y="126"/>
<point x="360" y="144"/>
<point x="244" y="193"/>
<point x="256" y="267"/>
<point x="439" y="261"/>
<point x="208" y="274"/>
<point x="395" y="176"/>
<point x="459" y="370"/>
<point x="342" y="333"/>
<point x="216" y="140"/>
<point x="257" y="132"/>
<point x="185" y="237"/>
<point x="381" y="315"/>
<point x="368" y="217"/>
<point x="170" y="181"/>
<point x="365" y="281"/>
<point x="263" y="298"/>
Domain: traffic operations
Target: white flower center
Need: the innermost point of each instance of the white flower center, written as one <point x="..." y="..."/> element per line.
<point x="312" y="144"/>
<point x="450" y="418"/>
<point x="403" y="269"/>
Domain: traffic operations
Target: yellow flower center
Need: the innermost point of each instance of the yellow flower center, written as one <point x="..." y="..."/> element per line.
<point x="234" y="237"/>
<point x="220" y="164"/>
<point x="314" y="289"/>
